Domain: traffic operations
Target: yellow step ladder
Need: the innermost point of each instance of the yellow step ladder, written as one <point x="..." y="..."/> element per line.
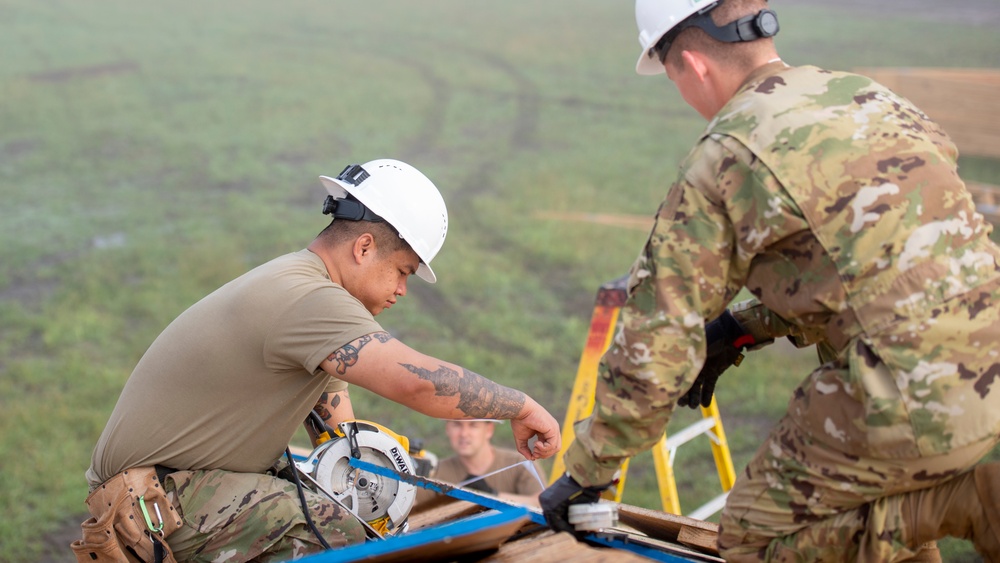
<point x="610" y="299"/>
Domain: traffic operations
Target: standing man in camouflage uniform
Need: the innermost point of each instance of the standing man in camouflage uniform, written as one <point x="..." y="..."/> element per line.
<point x="838" y="205"/>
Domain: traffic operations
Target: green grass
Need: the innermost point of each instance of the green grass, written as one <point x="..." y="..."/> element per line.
<point x="150" y="153"/>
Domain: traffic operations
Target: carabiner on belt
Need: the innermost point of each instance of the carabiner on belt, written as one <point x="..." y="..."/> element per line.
<point x="145" y="513"/>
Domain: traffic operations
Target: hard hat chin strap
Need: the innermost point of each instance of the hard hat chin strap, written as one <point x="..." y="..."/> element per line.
<point x="349" y="208"/>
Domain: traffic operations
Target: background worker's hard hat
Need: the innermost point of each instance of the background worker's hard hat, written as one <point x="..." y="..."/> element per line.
<point x="405" y="198"/>
<point x="654" y="19"/>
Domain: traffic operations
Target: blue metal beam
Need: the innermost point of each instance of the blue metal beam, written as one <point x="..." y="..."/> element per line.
<point x="452" y="531"/>
<point x="506" y="508"/>
<point x="454" y="492"/>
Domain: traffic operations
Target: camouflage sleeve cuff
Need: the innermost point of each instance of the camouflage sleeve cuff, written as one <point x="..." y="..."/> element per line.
<point x="764" y="325"/>
<point x="759" y="321"/>
<point x="586" y="470"/>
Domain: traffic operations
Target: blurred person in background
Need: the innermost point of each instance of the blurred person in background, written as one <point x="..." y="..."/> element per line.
<point x="478" y="464"/>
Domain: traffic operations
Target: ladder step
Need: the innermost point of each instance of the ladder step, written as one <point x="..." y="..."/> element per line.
<point x="710" y="507"/>
<point x="689" y="433"/>
<point x="610" y="299"/>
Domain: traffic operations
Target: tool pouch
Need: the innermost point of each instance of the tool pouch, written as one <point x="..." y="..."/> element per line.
<point x="131" y="517"/>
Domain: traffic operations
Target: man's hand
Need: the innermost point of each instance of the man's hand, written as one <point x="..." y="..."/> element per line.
<point x="535" y="421"/>
<point x="726" y="341"/>
<point x="556" y="500"/>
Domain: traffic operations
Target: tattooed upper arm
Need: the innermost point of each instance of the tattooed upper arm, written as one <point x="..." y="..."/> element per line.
<point x="478" y="397"/>
<point x="347" y="355"/>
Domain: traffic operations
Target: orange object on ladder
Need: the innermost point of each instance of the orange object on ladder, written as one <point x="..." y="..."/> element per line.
<point x="610" y="299"/>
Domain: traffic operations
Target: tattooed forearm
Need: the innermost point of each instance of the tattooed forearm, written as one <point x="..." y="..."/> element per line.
<point x="347" y="356"/>
<point x="324" y="400"/>
<point x="478" y="397"/>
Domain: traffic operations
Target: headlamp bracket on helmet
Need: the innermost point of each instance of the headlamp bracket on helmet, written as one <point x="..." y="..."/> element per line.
<point x="353" y="174"/>
<point x="349" y="207"/>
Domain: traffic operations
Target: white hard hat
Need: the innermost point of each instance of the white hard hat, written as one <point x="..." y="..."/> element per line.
<point x="654" y="19"/>
<point x="404" y="197"/>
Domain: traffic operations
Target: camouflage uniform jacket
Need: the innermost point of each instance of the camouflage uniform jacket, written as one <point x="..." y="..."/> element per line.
<point x="838" y="205"/>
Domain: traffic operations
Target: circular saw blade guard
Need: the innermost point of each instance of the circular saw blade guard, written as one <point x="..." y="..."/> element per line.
<point x="381" y="501"/>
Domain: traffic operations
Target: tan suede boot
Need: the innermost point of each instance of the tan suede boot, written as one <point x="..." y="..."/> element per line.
<point x="986" y="536"/>
<point x="967" y="507"/>
<point x="929" y="553"/>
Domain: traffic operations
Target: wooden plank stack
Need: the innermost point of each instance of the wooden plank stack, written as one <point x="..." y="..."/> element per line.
<point x="965" y="101"/>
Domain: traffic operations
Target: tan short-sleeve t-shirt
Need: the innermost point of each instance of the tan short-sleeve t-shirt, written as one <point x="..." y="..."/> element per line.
<point x="228" y="382"/>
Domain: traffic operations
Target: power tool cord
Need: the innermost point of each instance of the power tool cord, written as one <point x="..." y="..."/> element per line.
<point x="302" y="499"/>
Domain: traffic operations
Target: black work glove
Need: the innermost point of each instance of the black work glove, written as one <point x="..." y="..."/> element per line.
<point x="726" y="341"/>
<point x="557" y="498"/>
<point x="480" y="485"/>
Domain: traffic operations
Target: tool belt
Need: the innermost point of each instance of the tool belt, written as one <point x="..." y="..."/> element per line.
<point x="130" y="517"/>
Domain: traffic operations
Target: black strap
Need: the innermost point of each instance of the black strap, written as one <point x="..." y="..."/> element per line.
<point x="162" y="472"/>
<point x="158" y="551"/>
<point x="748" y="28"/>
<point x="302" y="500"/>
<point x="349" y="208"/>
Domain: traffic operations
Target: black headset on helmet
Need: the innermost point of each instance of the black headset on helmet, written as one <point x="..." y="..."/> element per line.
<point x="748" y="28"/>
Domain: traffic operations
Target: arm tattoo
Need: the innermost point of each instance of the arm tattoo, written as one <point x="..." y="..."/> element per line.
<point x="478" y="397"/>
<point x="347" y="356"/>
<point x="324" y="399"/>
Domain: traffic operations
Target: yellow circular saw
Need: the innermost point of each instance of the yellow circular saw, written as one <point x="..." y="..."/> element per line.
<point x="383" y="502"/>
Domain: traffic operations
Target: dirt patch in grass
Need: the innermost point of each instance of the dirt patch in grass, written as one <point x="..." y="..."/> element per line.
<point x="73" y="73"/>
<point x="55" y="545"/>
<point x="980" y="13"/>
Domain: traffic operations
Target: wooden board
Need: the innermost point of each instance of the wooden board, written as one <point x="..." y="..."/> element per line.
<point x="987" y="198"/>
<point x="548" y="546"/>
<point x="443" y="513"/>
<point x="698" y="534"/>
<point x="678" y="552"/>
<point x="964" y="101"/>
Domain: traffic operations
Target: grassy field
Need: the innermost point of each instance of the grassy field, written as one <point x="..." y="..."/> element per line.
<point x="150" y="152"/>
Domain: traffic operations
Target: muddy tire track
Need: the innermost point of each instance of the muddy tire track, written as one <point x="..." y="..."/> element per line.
<point x="481" y="179"/>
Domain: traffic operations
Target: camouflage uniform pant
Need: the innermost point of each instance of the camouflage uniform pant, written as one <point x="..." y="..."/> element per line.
<point x="800" y="500"/>
<point x="236" y="517"/>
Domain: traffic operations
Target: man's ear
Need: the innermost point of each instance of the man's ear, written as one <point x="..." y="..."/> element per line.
<point x="364" y="247"/>
<point x="696" y="62"/>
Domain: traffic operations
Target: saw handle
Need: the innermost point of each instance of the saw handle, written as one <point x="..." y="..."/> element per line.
<point x="319" y="427"/>
<point x="353" y="425"/>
